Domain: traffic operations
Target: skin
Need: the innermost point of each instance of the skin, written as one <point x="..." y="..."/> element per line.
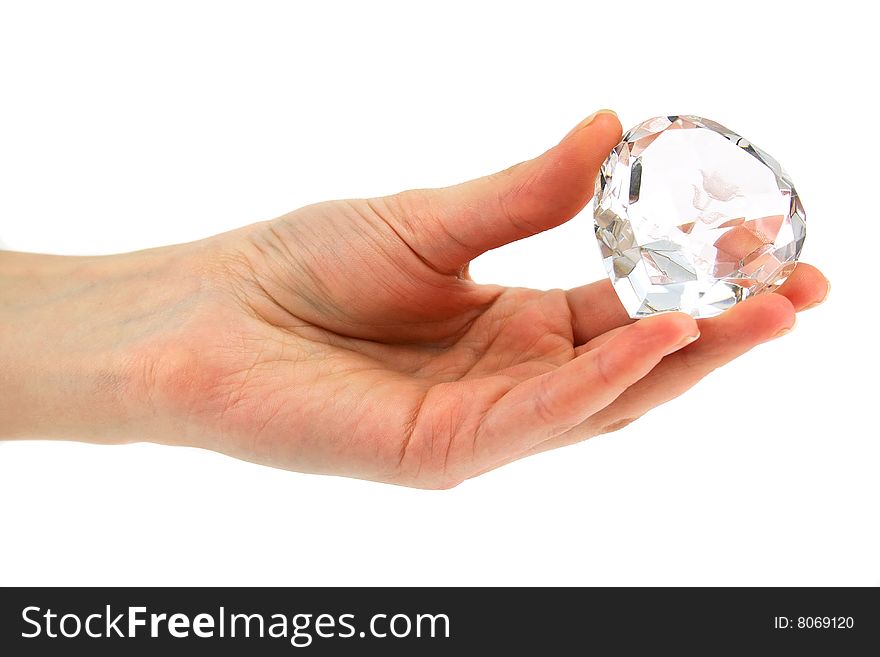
<point x="347" y="338"/>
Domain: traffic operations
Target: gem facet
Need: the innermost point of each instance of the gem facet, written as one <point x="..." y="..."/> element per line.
<point x="692" y="217"/>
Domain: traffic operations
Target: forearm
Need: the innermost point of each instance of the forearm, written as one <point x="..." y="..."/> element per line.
<point x="68" y="331"/>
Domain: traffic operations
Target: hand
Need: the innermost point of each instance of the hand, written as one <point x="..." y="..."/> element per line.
<point x="347" y="337"/>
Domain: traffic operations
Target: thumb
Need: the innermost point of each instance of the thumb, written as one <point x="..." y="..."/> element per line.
<point x="451" y="226"/>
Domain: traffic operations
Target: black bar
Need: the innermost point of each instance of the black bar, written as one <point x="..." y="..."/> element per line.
<point x="511" y="620"/>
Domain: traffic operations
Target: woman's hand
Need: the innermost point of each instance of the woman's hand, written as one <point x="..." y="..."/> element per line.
<point x="347" y="337"/>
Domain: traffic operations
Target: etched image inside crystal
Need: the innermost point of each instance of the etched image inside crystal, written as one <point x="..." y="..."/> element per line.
<point x="692" y="217"/>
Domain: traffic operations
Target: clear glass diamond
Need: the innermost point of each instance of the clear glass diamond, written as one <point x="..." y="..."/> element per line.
<point x="692" y="217"/>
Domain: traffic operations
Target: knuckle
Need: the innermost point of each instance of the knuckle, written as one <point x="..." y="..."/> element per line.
<point x="603" y="368"/>
<point x="543" y="402"/>
<point x="406" y="209"/>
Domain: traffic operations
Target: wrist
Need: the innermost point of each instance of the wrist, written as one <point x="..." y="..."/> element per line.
<point x="71" y="339"/>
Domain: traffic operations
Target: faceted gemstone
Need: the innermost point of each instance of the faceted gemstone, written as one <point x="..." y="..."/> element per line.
<point x="692" y="217"/>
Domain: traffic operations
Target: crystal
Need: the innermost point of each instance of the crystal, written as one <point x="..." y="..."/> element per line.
<point x="692" y="217"/>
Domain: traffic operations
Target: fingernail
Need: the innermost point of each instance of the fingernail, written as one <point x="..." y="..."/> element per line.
<point x="786" y="331"/>
<point x="587" y="121"/>
<point x="822" y="300"/>
<point x="685" y="341"/>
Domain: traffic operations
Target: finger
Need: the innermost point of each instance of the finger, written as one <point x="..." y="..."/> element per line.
<point x="449" y="227"/>
<point x="596" y="310"/>
<point x="805" y="288"/>
<point x="722" y="339"/>
<point x="599" y="340"/>
<point x="552" y="403"/>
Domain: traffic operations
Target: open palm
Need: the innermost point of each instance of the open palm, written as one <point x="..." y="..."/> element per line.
<point x="347" y="337"/>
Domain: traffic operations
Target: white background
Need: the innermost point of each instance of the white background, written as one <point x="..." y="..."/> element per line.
<point x="129" y="125"/>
